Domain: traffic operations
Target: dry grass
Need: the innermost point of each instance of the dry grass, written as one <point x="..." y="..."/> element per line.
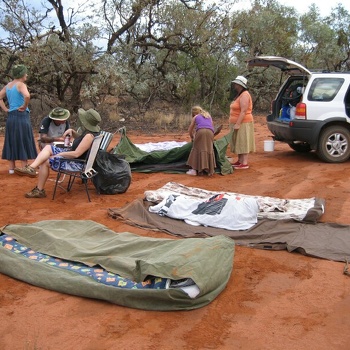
<point x="167" y="121"/>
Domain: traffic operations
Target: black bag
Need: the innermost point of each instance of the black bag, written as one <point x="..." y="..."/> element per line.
<point x="114" y="173"/>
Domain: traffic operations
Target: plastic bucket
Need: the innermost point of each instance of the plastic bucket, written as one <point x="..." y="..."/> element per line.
<point x="269" y="145"/>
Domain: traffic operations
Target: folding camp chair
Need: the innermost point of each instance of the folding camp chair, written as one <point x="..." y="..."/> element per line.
<point x="86" y="173"/>
<point x="107" y="139"/>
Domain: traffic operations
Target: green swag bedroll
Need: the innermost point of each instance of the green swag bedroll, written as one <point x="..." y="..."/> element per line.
<point x="84" y="258"/>
<point x="173" y="160"/>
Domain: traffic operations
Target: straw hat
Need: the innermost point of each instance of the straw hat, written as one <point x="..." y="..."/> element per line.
<point x="89" y="119"/>
<point x="241" y="80"/>
<point x="59" y="113"/>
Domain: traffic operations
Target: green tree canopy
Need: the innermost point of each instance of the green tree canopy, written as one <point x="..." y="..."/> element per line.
<point x="180" y="51"/>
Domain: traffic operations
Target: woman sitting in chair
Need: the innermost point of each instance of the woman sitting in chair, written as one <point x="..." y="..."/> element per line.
<point x="45" y="160"/>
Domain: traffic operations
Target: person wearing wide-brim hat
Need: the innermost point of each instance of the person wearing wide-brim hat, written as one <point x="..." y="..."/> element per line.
<point x="90" y="121"/>
<point x="19" y="143"/>
<point x="53" y="127"/>
<point x="241" y="122"/>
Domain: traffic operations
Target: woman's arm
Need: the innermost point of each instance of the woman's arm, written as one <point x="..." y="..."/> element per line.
<point x="191" y="127"/>
<point x="2" y="103"/>
<point x="71" y="132"/>
<point x="84" y="146"/>
<point x="3" y="106"/>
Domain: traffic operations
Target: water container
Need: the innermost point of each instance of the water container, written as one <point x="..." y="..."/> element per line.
<point x="269" y="145"/>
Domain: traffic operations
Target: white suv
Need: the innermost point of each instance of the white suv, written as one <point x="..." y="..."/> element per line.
<point x="311" y="110"/>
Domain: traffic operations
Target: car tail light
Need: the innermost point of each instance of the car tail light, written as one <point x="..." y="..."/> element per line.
<point x="300" y="111"/>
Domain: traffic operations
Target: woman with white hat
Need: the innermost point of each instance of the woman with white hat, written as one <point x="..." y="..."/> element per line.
<point x="45" y="160"/>
<point x="242" y="123"/>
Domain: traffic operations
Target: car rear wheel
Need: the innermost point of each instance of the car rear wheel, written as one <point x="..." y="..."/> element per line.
<point x="301" y="147"/>
<point x="334" y="144"/>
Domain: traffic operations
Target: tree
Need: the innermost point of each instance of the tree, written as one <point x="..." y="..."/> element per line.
<point x="143" y="51"/>
<point x="174" y="49"/>
<point x="324" y="42"/>
<point x="268" y="28"/>
<point x="65" y="53"/>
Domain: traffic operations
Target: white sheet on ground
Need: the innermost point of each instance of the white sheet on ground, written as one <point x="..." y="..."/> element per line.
<point x="228" y="212"/>
<point x="269" y="207"/>
<point x="159" y="146"/>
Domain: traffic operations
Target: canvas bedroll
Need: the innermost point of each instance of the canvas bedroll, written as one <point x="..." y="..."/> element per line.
<point x="207" y="261"/>
<point x="173" y="160"/>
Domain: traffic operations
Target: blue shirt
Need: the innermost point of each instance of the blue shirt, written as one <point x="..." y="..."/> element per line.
<point x="15" y="98"/>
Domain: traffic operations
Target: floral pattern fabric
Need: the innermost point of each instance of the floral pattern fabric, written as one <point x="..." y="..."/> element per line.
<point x="97" y="273"/>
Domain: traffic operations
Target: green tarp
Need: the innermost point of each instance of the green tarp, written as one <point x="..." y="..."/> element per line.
<point x="173" y="160"/>
<point x="208" y="261"/>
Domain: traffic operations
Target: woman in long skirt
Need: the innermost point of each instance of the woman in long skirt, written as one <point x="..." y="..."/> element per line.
<point x="202" y="157"/>
<point x="19" y="141"/>
<point x="241" y="122"/>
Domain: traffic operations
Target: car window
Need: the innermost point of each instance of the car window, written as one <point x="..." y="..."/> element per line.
<point x="324" y="89"/>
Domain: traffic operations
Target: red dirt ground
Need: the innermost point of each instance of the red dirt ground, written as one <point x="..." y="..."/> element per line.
<point x="274" y="300"/>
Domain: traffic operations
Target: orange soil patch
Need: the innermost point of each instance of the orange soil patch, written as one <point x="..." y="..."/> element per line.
<point x="274" y="299"/>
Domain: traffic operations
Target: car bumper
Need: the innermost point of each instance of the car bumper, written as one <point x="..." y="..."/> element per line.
<point x="295" y="130"/>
